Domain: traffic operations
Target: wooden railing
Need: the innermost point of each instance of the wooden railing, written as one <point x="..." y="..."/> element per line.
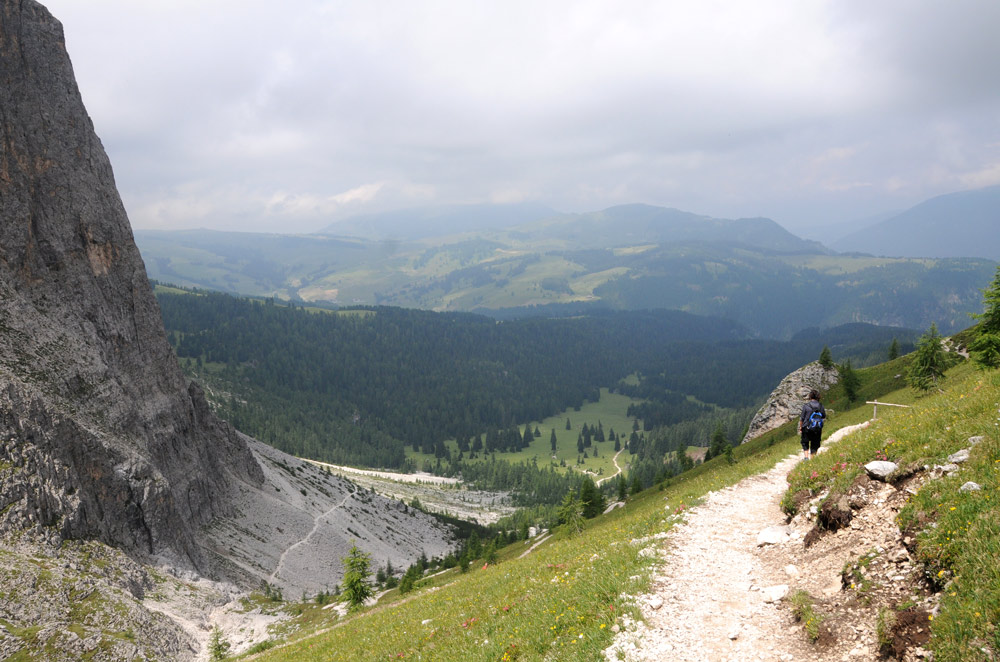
<point x="887" y="404"/>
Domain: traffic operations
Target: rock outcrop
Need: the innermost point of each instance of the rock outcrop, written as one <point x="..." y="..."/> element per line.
<point x="101" y="435"/>
<point x="785" y="402"/>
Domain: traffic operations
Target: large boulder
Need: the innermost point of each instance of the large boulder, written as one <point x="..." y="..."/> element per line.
<point x="785" y="402"/>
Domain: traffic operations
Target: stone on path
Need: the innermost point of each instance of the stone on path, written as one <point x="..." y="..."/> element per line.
<point x="775" y="593"/>
<point x="774" y="535"/>
<point x="880" y="469"/>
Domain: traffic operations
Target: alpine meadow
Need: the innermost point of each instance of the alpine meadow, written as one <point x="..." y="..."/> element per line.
<point x="494" y="332"/>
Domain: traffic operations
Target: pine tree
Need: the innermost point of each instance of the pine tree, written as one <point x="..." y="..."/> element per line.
<point x="410" y="577"/>
<point x="894" y="350"/>
<point x="568" y="426"/>
<point x="929" y="361"/>
<point x="570" y="514"/>
<point x="717" y="446"/>
<point x="357" y="570"/>
<point x="591" y="499"/>
<point x="622" y="487"/>
<point x="825" y="358"/>
<point x="552" y="440"/>
<point x="985" y="345"/>
<point x="990" y="317"/>
<point x="218" y="647"/>
<point x="849" y="379"/>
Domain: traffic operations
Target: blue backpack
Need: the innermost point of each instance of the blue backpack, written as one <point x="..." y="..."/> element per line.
<point x="815" y="421"/>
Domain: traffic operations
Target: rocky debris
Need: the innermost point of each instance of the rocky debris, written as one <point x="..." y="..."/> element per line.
<point x="974" y="441"/>
<point x="83" y="600"/>
<point x="909" y="630"/>
<point x="881" y="469"/>
<point x="970" y="487"/>
<point x="785" y="402"/>
<point x="943" y="470"/>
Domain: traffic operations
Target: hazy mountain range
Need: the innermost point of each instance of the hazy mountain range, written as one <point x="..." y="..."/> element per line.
<point x="627" y="257"/>
<point x="964" y="224"/>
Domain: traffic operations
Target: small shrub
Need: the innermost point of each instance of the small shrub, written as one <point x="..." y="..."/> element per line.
<point x="805" y="613"/>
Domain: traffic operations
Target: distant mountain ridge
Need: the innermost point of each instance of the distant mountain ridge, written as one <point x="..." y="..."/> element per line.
<point x="636" y="224"/>
<point x="626" y="257"/>
<point x="963" y="224"/>
<point x="441" y="220"/>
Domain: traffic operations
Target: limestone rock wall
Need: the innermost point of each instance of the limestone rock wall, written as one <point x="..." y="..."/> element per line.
<point x="101" y="435"/>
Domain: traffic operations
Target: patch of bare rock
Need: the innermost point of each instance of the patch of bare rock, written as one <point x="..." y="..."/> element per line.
<point x="736" y="565"/>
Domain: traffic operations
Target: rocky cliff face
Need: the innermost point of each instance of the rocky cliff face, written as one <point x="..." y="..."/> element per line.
<point x="106" y="438"/>
<point x="785" y="402"/>
<point x="101" y="436"/>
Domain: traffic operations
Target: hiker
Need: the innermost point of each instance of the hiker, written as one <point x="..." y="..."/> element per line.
<point x="811" y="424"/>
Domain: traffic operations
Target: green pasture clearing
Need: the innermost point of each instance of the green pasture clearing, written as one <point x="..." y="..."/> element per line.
<point x="846" y="264"/>
<point x="160" y="288"/>
<point x="609" y="412"/>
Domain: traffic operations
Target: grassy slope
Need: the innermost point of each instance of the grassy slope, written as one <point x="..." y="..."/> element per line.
<point x="561" y="601"/>
<point x="957" y="533"/>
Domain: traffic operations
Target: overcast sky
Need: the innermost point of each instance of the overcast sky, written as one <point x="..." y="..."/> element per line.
<point x="286" y="116"/>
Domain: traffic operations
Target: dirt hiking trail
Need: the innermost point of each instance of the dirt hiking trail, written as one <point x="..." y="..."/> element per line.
<point x="719" y="596"/>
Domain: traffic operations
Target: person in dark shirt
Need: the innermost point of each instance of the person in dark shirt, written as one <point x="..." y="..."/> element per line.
<point x="810" y="425"/>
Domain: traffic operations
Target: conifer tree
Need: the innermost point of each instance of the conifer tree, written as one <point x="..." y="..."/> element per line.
<point x="717" y="446"/>
<point x="568" y="426"/>
<point x="894" y="349"/>
<point x="929" y="361"/>
<point x="591" y="499"/>
<point x="826" y="358"/>
<point x="849" y="379"/>
<point x="985" y="345"/>
<point x="218" y="647"/>
<point x="622" y="487"/>
<point x="357" y="570"/>
<point x="552" y="440"/>
<point x="570" y="514"/>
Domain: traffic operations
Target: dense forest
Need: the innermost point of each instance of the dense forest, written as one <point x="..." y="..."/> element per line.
<point x="354" y="386"/>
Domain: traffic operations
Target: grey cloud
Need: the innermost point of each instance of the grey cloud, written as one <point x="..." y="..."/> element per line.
<point x="800" y="111"/>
